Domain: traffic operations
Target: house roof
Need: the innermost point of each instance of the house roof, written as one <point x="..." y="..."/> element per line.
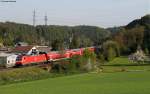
<point x="21" y="44"/>
<point x="4" y="54"/>
<point x="22" y="49"/>
<point x="43" y="48"/>
<point x="3" y="49"/>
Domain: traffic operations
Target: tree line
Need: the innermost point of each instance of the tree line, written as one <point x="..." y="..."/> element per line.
<point x="59" y="37"/>
<point x="112" y="42"/>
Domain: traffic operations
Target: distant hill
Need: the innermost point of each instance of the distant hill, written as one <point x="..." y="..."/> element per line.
<point x="11" y="33"/>
<point x="144" y="21"/>
<point x="76" y="36"/>
<point x="134" y="34"/>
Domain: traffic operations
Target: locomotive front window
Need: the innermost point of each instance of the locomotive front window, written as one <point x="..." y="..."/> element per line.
<point x="18" y="58"/>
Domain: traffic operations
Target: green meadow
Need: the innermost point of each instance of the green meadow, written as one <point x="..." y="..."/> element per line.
<point x="91" y="83"/>
<point x="122" y="63"/>
<point x="119" y="76"/>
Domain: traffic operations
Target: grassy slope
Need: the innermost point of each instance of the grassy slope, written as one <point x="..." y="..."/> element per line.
<point x="102" y="83"/>
<point x="22" y="74"/>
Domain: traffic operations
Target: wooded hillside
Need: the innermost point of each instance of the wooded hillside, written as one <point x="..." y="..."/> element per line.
<point x="128" y="38"/>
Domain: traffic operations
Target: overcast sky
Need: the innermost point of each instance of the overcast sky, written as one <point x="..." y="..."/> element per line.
<point x="103" y="13"/>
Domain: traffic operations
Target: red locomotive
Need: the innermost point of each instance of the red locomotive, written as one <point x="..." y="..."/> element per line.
<point x="52" y="56"/>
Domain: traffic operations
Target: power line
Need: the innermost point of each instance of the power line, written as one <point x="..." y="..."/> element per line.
<point x="34" y="17"/>
<point x="45" y="19"/>
<point x="6" y="1"/>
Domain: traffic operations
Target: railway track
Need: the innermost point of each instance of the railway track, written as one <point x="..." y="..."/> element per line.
<point x="41" y="65"/>
<point x="6" y="69"/>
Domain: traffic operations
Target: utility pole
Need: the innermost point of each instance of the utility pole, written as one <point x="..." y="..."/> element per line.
<point x="45" y="19"/>
<point x="34" y="18"/>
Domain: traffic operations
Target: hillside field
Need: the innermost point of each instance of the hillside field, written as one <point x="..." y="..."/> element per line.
<point x="91" y="83"/>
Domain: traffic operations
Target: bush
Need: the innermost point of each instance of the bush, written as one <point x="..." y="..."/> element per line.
<point x="110" y="50"/>
<point x="22" y="74"/>
<point x="111" y="54"/>
<point x="83" y="63"/>
<point x="146" y="51"/>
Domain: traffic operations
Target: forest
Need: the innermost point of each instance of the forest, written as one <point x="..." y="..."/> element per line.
<point x="112" y="42"/>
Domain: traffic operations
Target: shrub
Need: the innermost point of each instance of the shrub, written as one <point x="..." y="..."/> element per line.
<point x="146" y="51"/>
<point x="22" y="74"/>
<point x="110" y="50"/>
<point x="111" y="54"/>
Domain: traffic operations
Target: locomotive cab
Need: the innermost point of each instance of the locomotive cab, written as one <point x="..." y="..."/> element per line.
<point x="19" y="60"/>
<point x="8" y="60"/>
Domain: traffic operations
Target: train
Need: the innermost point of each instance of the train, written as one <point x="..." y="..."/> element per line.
<point x="43" y="57"/>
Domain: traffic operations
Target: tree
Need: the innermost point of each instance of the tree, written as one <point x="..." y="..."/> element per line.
<point x="58" y="45"/>
<point x="146" y="51"/>
<point x="110" y="50"/>
<point x="146" y="43"/>
<point x="75" y="43"/>
<point x="88" y="60"/>
<point x="85" y="42"/>
<point x="111" y="54"/>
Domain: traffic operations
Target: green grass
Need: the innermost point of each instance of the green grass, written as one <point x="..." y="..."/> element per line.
<point x="102" y="83"/>
<point x="119" y="76"/>
<point x="134" y="80"/>
<point x="123" y="64"/>
<point x="123" y="60"/>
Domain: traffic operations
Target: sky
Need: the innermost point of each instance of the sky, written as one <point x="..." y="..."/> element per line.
<point x="102" y="13"/>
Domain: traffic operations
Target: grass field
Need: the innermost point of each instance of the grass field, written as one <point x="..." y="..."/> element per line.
<point x="102" y="83"/>
<point x="119" y="76"/>
<point x="123" y="64"/>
